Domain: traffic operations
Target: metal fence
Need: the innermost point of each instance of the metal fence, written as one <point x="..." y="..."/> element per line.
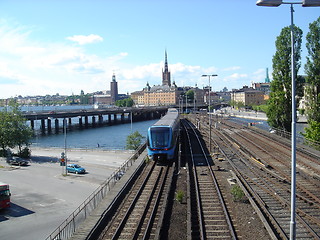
<point x="70" y="225"/>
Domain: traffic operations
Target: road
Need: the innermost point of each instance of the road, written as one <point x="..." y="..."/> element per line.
<point x="42" y="198"/>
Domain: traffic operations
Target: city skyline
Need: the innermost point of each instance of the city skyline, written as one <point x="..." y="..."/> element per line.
<point x="50" y="47"/>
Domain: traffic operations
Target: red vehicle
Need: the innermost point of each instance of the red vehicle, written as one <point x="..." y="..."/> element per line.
<point x="4" y="195"/>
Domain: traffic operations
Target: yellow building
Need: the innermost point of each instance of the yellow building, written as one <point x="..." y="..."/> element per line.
<point x="248" y="96"/>
<point x="166" y="94"/>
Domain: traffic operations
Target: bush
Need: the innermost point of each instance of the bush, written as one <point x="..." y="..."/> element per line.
<point x="237" y="193"/>
<point x="25" y="153"/>
<point x="134" y="140"/>
<point x="2" y="153"/>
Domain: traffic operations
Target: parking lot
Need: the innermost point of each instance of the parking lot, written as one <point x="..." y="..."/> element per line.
<point x="42" y="197"/>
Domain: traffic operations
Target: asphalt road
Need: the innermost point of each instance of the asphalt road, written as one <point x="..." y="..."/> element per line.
<point x="42" y="198"/>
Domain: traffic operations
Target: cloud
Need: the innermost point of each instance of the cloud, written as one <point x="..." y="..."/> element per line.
<point x="82" y="39"/>
<point x="235" y="76"/>
<point x="29" y="66"/>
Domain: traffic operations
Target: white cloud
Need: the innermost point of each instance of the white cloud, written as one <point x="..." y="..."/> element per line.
<point x="29" y="67"/>
<point x="235" y="76"/>
<point x="82" y="39"/>
<point x="142" y="72"/>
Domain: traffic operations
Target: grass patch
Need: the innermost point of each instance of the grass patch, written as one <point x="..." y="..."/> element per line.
<point x="237" y="193"/>
<point x="179" y="196"/>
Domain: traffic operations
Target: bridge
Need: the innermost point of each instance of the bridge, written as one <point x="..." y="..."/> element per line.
<point x="92" y="117"/>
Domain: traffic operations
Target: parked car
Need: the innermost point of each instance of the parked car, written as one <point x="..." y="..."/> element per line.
<point x="18" y="161"/>
<point x="75" y="168"/>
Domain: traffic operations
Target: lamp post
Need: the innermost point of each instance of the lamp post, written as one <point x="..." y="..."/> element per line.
<point x="65" y="142"/>
<point x="305" y="3"/>
<point x="212" y="75"/>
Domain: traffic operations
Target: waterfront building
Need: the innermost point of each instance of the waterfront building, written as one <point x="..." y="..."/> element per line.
<point x="108" y="97"/>
<point x="248" y="96"/>
<point x="166" y="94"/>
<point x="264" y="87"/>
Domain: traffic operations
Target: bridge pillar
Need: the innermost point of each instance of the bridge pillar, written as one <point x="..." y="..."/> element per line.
<point x="86" y="123"/>
<point x="49" y="125"/>
<point x="133" y="117"/>
<point x="151" y="115"/>
<point x="56" y="125"/>
<point x="80" y="122"/>
<point x="115" y="118"/>
<point x="93" y="121"/>
<point x="69" y="123"/>
<point x="43" y="126"/>
<point x="109" y="119"/>
<point x="32" y="124"/>
<point x="122" y="117"/>
<point x="145" y="116"/>
<point x="100" y="119"/>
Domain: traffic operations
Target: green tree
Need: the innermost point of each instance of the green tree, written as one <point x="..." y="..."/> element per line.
<point x="190" y="95"/>
<point x="127" y="102"/>
<point x="313" y="132"/>
<point x="5" y="128"/>
<point x="279" y="104"/>
<point x="312" y="69"/>
<point x="134" y="140"/>
<point x="13" y="129"/>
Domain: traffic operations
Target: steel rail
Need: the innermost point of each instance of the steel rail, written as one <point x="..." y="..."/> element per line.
<point x="143" y="215"/>
<point x="198" y="197"/>
<point x="281" y="200"/>
<point x="146" y="234"/>
<point x="221" y="199"/>
<point x="131" y="207"/>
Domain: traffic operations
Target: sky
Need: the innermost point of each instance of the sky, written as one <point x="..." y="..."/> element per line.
<point x="65" y="46"/>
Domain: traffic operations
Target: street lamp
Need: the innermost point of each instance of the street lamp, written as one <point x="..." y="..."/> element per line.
<point x="305" y="3"/>
<point x="65" y="142"/>
<point x="212" y="75"/>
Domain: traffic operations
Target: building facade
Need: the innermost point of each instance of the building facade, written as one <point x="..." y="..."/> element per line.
<point x="248" y="96"/>
<point x="167" y="94"/>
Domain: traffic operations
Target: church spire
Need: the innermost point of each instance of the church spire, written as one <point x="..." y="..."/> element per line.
<point x="267" y="79"/>
<point x="166" y="74"/>
<point x="166" y="62"/>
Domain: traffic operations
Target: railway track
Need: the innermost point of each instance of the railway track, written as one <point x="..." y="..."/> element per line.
<point x="139" y="215"/>
<point x="209" y="217"/>
<point x="263" y="169"/>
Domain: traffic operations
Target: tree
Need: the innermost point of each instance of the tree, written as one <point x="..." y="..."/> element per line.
<point x="313" y="132"/>
<point x="190" y="95"/>
<point x="134" y="140"/>
<point x="127" y="102"/>
<point x="279" y="104"/>
<point x="13" y="129"/>
<point x="312" y="69"/>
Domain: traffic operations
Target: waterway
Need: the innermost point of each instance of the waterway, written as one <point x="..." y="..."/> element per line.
<point x="106" y="138"/>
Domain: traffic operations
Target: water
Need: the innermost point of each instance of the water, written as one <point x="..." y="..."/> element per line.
<point x="265" y="126"/>
<point x="107" y="138"/>
<point x="43" y="108"/>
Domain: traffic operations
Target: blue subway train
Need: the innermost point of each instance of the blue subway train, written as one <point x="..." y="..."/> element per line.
<point x="163" y="136"/>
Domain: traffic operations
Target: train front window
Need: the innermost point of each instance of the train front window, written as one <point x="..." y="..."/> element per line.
<point x="160" y="137"/>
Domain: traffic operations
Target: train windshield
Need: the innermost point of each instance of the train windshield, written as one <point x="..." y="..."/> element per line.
<point x="160" y="137"/>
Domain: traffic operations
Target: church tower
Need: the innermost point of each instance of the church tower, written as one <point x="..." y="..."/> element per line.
<point x="166" y="74"/>
<point x="114" y="89"/>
